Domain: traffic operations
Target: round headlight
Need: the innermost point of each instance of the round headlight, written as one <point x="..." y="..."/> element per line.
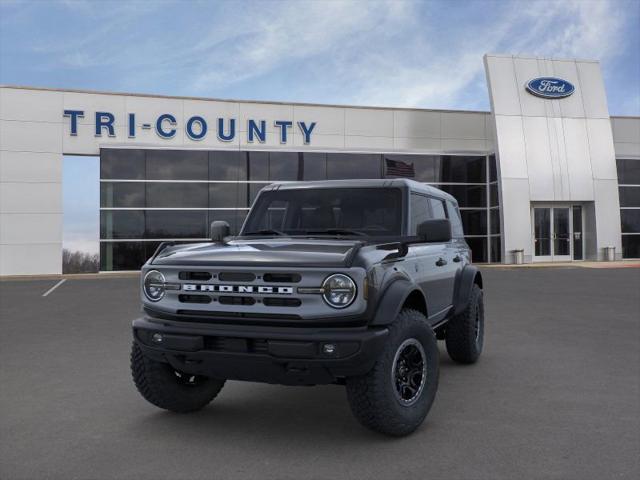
<point x="339" y="290"/>
<point x="154" y="285"/>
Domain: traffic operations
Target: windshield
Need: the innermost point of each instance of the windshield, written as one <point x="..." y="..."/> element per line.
<point x="327" y="211"/>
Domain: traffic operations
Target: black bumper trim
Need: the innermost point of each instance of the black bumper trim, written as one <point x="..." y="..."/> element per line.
<point x="290" y="356"/>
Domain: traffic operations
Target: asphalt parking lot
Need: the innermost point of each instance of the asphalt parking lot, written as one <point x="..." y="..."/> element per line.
<point x="556" y="394"/>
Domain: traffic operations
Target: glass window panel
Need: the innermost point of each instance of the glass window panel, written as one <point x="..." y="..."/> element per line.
<point x="258" y="165"/>
<point x="496" y="252"/>
<point x="629" y="196"/>
<point x="630" y="246"/>
<point x="494" y="199"/>
<point x="542" y="231"/>
<point x="122" y="255"/>
<point x="177" y="195"/>
<point x="437" y="208"/>
<point x="254" y="189"/>
<point x="228" y="195"/>
<point x="419" y="212"/>
<point x="123" y="164"/>
<point x="467" y="195"/>
<point x="121" y="224"/>
<point x="493" y="169"/>
<point x="176" y="224"/>
<point x="314" y="166"/>
<point x="628" y="171"/>
<point x="462" y="169"/>
<point x="119" y="195"/>
<point x="478" y="246"/>
<point x="353" y="165"/>
<point x="494" y="218"/>
<point x="227" y="165"/>
<point x="630" y="221"/>
<point x="284" y="166"/>
<point x="474" y="221"/>
<point x="177" y="165"/>
<point x="456" y="222"/>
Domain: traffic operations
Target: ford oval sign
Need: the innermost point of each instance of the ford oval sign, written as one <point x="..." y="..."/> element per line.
<point x="550" y="87"/>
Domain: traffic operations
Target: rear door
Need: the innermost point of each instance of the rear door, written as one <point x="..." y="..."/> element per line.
<point x="450" y="260"/>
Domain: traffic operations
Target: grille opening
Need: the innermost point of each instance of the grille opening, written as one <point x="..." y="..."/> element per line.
<point x="236" y="277"/>
<point x="199" y="276"/>
<point x="282" y="277"/>
<point x="217" y="314"/>
<point x="282" y="302"/>
<point x="236" y="300"/>
<point x="194" y="298"/>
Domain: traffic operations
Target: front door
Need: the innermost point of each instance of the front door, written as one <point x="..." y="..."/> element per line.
<point x="557" y="233"/>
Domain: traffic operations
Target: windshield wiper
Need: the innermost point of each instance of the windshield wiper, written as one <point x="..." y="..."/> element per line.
<point x="266" y="232"/>
<point x="336" y="231"/>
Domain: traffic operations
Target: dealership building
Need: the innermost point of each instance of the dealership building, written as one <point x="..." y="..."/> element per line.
<point x="546" y="175"/>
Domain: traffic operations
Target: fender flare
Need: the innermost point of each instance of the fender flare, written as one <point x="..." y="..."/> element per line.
<point x="469" y="275"/>
<point x="393" y="299"/>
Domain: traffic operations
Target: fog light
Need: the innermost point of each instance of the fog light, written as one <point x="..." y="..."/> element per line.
<point x="329" y="348"/>
<point x="156" y="338"/>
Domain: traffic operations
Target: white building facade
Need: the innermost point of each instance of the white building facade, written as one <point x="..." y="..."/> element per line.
<point x="546" y="174"/>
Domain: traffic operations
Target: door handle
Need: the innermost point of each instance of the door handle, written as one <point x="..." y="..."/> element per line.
<point x="441" y="262"/>
<point x="457" y="258"/>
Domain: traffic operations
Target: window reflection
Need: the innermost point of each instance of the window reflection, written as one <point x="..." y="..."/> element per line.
<point x="123" y="164"/>
<point x="177" y="165"/>
<point x="121" y="224"/>
<point x="163" y="224"/>
<point x="353" y="165"/>
<point x="177" y="195"/>
<point x="122" y="195"/>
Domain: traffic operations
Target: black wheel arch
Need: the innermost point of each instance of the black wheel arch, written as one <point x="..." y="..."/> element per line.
<point x="400" y="293"/>
<point x="469" y="276"/>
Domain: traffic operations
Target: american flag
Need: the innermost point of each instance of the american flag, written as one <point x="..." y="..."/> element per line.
<point x="397" y="168"/>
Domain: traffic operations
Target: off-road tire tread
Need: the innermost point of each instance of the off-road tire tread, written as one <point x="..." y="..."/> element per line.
<point x="150" y="378"/>
<point x="460" y="330"/>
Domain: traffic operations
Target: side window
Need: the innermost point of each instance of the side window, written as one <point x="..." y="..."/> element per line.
<point x="437" y="208"/>
<point x="456" y="221"/>
<point x="419" y="212"/>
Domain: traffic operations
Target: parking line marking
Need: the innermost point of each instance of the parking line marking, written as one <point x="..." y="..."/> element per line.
<point x="54" y="287"/>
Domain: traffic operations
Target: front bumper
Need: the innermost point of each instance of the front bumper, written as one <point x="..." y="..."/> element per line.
<point x="284" y="355"/>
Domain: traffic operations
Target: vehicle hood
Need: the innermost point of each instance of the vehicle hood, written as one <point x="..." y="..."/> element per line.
<point x="285" y="252"/>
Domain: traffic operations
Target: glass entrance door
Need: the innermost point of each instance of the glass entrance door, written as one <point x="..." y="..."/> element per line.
<point x="557" y="233"/>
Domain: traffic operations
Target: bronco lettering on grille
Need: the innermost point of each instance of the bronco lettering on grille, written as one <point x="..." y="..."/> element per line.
<point x="191" y="287"/>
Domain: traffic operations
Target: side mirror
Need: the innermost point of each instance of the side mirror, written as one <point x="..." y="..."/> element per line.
<point x="219" y="230"/>
<point x="437" y="230"/>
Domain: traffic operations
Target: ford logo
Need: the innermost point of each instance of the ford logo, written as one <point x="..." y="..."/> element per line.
<point x="550" y="87"/>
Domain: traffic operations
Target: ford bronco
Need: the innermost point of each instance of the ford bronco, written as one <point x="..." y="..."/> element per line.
<point x="349" y="282"/>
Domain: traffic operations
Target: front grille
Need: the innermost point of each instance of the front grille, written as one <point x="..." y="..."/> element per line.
<point x="197" y="276"/>
<point x="236" y="277"/>
<point x="282" y="302"/>
<point x="218" y="314"/>
<point x="194" y="298"/>
<point x="236" y="345"/>
<point x="228" y="300"/>
<point x="281" y="277"/>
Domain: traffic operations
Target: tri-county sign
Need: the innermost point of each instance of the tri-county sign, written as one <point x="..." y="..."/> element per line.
<point x="550" y="87"/>
<point x="196" y="127"/>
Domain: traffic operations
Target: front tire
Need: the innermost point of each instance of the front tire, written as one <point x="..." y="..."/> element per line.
<point x="165" y="387"/>
<point x="395" y="396"/>
<point x="465" y="332"/>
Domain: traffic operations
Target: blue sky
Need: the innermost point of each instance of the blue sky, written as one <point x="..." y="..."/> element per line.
<point x="390" y="53"/>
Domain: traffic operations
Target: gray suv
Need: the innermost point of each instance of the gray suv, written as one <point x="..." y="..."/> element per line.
<point x="349" y="282"/>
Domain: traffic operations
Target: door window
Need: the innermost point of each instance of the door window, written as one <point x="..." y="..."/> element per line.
<point x="419" y="212"/>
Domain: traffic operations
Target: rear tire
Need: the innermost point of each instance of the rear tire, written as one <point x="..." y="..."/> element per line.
<point x="395" y="396"/>
<point x="465" y="332"/>
<point x="165" y="387"/>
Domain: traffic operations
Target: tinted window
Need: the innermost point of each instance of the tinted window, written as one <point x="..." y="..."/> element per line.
<point x="177" y="165"/>
<point x="493" y="195"/>
<point x="314" y="166"/>
<point x="228" y="195"/>
<point x="121" y="224"/>
<point x="118" y="195"/>
<point x="163" y="224"/>
<point x="467" y="195"/>
<point x="122" y="164"/>
<point x="227" y="165"/>
<point x="353" y="165"/>
<point x="496" y="254"/>
<point x="631" y="246"/>
<point x="630" y="221"/>
<point x="373" y="211"/>
<point x="629" y="196"/>
<point x="463" y="169"/>
<point x="122" y="255"/>
<point x="258" y="168"/>
<point x="628" y="171"/>
<point x="177" y="195"/>
<point x="495" y="220"/>
<point x="478" y="246"/>
<point x="493" y="169"/>
<point x="474" y="221"/>
<point x="456" y="222"/>
<point x="284" y="166"/>
<point x="419" y="212"/>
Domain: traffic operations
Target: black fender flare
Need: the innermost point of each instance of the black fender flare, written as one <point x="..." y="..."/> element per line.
<point x="469" y="275"/>
<point x="393" y="299"/>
